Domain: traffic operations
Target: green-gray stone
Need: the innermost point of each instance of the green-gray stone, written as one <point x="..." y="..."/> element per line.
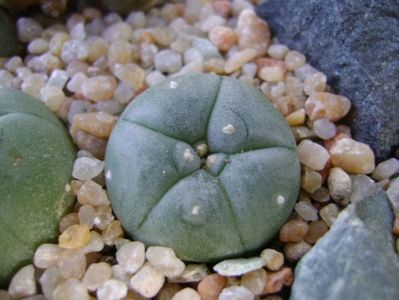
<point x="9" y="43"/>
<point x="163" y="193"/>
<point x="36" y="158"/>
<point x="356" y="259"/>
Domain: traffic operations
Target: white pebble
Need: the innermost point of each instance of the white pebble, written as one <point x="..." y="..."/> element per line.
<point x="168" y="61"/>
<point x="236" y="293"/>
<point x="193" y="55"/>
<point x="38" y="46"/>
<point x="87" y="168"/>
<point x="71" y="289"/>
<point x="164" y="260"/>
<point x="186" y="294"/>
<point x="313" y="155"/>
<point x="131" y="256"/>
<point x="147" y="281"/>
<point x="239" y="266"/>
<point x="340" y="185"/>
<point x="49" y="280"/>
<point x="96" y="243"/>
<point x="96" y="275"/>
<point x="277" y="51"/>
<point x="386" y="169"/>
<point x="23" y="283"/>
<point x="154" y="78"/>
<point x="76" y="81"/>
<point x="211" y="22"/>
<point x="58" y="79"/>
<point x="52" y="96"/>
<point x="74" y="50"/>
<point x="46" y="256"/>
<point x="324" y="129"/>
<point x="306" y="210"/>
<point x="112" y="290"/>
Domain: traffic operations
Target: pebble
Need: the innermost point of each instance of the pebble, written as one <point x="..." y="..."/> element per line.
<point x="168" y="61"/>
<point x="274" y="259"/>
<point x="352" y="156"/>
<point x="74" y="50"/>
<point x="112" y="233"/>
<point x="6" y="79"/>
<point x="99" y="88"/>
<point x="68" y="220"/>
<point x="239" y="266"/>
<point x="92" y="193"/>
<point x="4" y="295"/>
<point x="326" y="105"/>
<point x="99" y="124"/>
<point x="71" y="289"/>
<point x="239" y="59"/>
<point x="23" y="283"/>
<point x="386" y="169"/>
<point x="295" y="251"/>
<point x="38" y="46"/>
<point x="130" y="74"/>
<point x="75" y="84"/>
<point x="32" y="84"/>
<point x="253" y="32"/>
<point x="112" y="289"/>
<point x="52" y="97"/>
<point x="277" y="51"/>
<point x="191" y="273"/>
<point x="293" y="231"/>
<point x="212" y="22"/>
<point x="393" y="194"/>
<point x="315" y="82"/>
<point x="362" y="187"/>
<point x="312" y="155"/>
<point x="222" y="37"/>
<point x="72" y="263"/>
<point x="306" y="210"/>
<point x="211" y="286"/>
<point x="147" y="281"/>
<point x="86" y="168"/>
<point x="302" y="132"/>
<point x="118" y="31"/>
<point x="276" y="280"/>
<point x="294" y="59"/>
<point x="131" y="256"/>
<point x="49" y="280"/>
<point x="340" y="186"/>
<point x="28" y="29"/>
<point x="236" y="293"/>
<point x="296" y="118"/>
<point x="254" y="281"/>
<point x="104" y="217"/>
<point x="321" y="195"/>
<point x="154" y="78"/>
<point x="329" y="213"/>
<point x="310" y="180"/>
<point x="185" y="294"/>
<point x="46" y="255"/>
<point x="324" y="129"/>
<point x="96" y="275"/>
<point x="165" y="261"/>
<point x="316" y="230"/>
<point x="96" y="243"/>
<point x="75" y="237"/>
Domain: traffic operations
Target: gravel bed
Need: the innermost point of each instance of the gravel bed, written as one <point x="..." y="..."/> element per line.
<point x="88" y="70"/>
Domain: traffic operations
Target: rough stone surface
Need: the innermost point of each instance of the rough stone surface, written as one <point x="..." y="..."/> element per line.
<point x="355" y="43"/>
<point x="355" y="259"/>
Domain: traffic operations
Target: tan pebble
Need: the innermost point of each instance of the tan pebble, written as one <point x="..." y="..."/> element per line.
<point x="96" y="274"/>
<point x="92" y="193"/>
<point x="222" y="8"/>
<point x="274" y="259"/>
<point x="72" y="263"/>
<point x="90" y="143"/>
<point x="395" y="228"/>
<point x="118" y="31"/>
<point x="326" y="105"/>
<point x="99" y="124"/>
<point x="294" y="60"/>
<point x="164" y="260"/>
<point x="239" y="59"/>
<point x="340" y="186"/>
<point x="223" y="37"/>
<point x="104" y="217"/>
<point x="313" y="155"/>
<point x="99" y="88"/>
<point x="147" y="281"/>
<point x="294" y="251"/>
<point x="386" y="169"/>
<point x="276" y="280"/>
<point x="185" y="294"/>
<point x="316" y="230"/>
<point x="214" y="65"/>
<point x="168" y="290"/>
<point x="315" y="83"/>
<point x="252" y="32"/>
<point x="130" y="74"/>
<point x="211" y="286"/>
<point x="75" y="237"/>
<point x="120" y="52"/>
<point x="329" y="213"/>
<point x="113" y="232"/>
<point x="68" y="220"/>
<point x="330" y="142"/>
<point x="352" y="156"/>
<point x="57" y="42"/>
<point x="310" y="180"/>
<point x="293" y="231"/>
<point x="296" y="118"/>
<point x="255" y="281"/>
<point x="71" y="289"/>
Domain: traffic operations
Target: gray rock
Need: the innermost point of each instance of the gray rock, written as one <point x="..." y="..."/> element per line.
<point x="356" y="44"/>
<point x="355" y="259"/>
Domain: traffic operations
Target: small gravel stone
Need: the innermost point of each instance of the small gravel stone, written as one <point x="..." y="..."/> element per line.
<point x="211" y="286"/>
<point x="92" y="193"/>
<point x="324" y="129"/>
<point x="223" y="37"/>
<point x="104" y="217"/>
<point x="329" y="213"/>
<point x="46" y="255"/>
<point x="185" y="294"/>
<point x="96" y="275"/>
<point x="99" y="88"/>
<point x="4" y="295"/>
<point x="49" y="280"/>
<point x="236" y="293"/>
<point x="168" y="61"/>
<point x="294" y="251"/>
<point x="86" y="168"/>
<point x="239" y="59"/>
<point x="58" y="79"/>
<point x="38" y="46"/>
<point x="112" y="290"/>
<point x="296" y="118"/>
<point x="276" y="280"/>
<point x="315" y="82"/>
<point x="68" y="220"/>
<point x="239" y="266"/>
<point x="393" y="194"/>
<point x="321" y="195"/>
<point x="316" y="230"/>
<point x="274" y="259"/>
<point x="294" y="59"/>
<point x="72" y="263"/>
<point x="211" y="22"/>
<point x="293" y="231"/>
<point x="28" y="29"/>
<point x="340" y="186"/>
<point x="118" y="31"/>
<point x="306" y="210"/>
<point x="154" y="78"/>
<point x="112" y="233"/>
<point x="23" y="283"/>
<point x="254" y="281"/>
<point x="326" y="105"/>
<point x="71" y="289"/>
<point x="96" y="243"/>
<point x="352" y="156"/>
<point x="6" y="79"/>
<point x="311" y="180"/>
<point x="312" y="155"/>
<point x="74" y="50"/>
<point x="90" y="143"/>
<point x="52" y="96"/>
<point x="147" y="281"/>
<point x="362" y="187"/>
<point x="164" y="260"/>
<point x="131" y="256"/>
<point x="191" y="273"/>
<point x="32" y="84"/>
<point x="277" y="51"/>
<point x="386" y="169"/>
<point x="75" y="237"/>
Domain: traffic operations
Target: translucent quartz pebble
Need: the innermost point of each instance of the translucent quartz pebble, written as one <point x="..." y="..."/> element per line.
<point x="96" y="275"/>
<point x="315" y="82"/>
<point x="130" y="74"/>
<point x="340" y="186"/>
<point x="112" y="233"/>
<point x="87" y="168"/>
<point x="255" y="281"/>
<point x="313" y="155"/>
<point x="124" y="93"/>
<point x="329" y="213"/>
<point x="211" y="22"/>
<point x="168" y="61"/>
<point x="74" y="50"/>
<point x="316" y="230"/>
<point x="352" y="156"/>
<point x="58" y="79"/>
<point x="28" y="29"/>
<point x="223" y="37"/>
<point x="99" y="88"/>
<point x="92" y="193"/>
<point x="52" y="96"/>
<point x="293" y="231"/>
<point x="23" y="283"/>
<point x="239" y="59"/>
<point x="211" y="286"/>
<point x="164" y="260"/>
<point x="324" y="129"/>
<point x="296" y="118"/>
<point x="72" y="263"/>
<point x="311" y="180"/>
<point x="96" y="243"/>
<point x="236" y="292"/>
<point x="186" y="293"/>
<point x="277" y="51"/>
<point x="276" y="280"/>
<point x="71" y="289"/>
<point x="154" y="78"/>
<point x="294" y="59"/>
<point x="191" y="273"/>
<point x="239" y="266"/>
<point x="87" y="214"/>
<point x="118" y="31"/>
<point x="75" y="237"/>
<point x="32" y="84"/>
<point x="38" y="46"/>
<point x="326" y="105"/>
<point x="386" y="169"/>
<point x="131" y="256"/>
<point x="306" y="210"/>
<point x="295" y="251"/>
<point x="147" y="281"/>
<point x="274" y="259"/>
<point x="112" y="289"/>
<point x="49" y="280"/>
<point x="5" y="79"/>
<point x="46" y="255"/>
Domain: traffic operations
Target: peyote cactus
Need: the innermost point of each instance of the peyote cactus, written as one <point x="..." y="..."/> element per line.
<point x="203" y="164"/>
<point x="36" y="157"/>
<point x="9" y="44"/>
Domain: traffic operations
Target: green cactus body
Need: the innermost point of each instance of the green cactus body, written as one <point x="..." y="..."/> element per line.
<point x="126" y="6"/>
<point x="227" y="203"/>
<point x="36" y="158"/>
<point x="9" y="43"/>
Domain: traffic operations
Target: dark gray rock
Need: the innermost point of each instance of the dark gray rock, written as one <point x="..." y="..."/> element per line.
<point x="355" y="259"/>
<point x="356" y="44"/>
<point x="9" y="43"/>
